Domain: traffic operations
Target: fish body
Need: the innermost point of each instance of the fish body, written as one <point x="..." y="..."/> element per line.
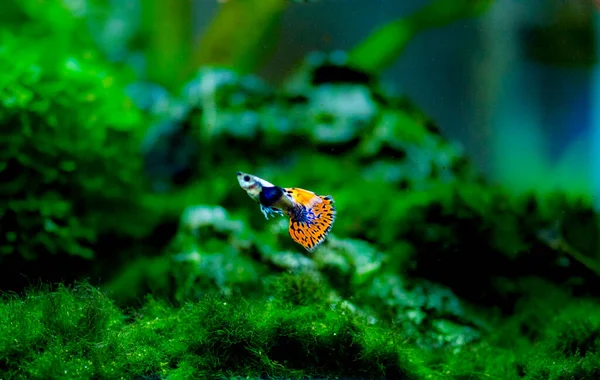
<point x="311" y="215"/>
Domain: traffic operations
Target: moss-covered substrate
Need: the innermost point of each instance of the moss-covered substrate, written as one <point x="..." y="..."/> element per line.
<point x="78" y="333"/>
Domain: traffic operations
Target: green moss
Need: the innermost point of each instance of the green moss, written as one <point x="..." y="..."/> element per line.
<point x="69" y="164"/>
<point x="300" y="289"/>
<point x="550" y="336"/>
<point x="79" y="333"/>
<point x="215" y="253"/>
<point x="569" y="346"/>
<point x="49" y="334"/>
<point x="301" y="331"/>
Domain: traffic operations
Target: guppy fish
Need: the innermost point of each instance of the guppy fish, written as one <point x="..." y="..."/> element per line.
<point x="311" y="215"/>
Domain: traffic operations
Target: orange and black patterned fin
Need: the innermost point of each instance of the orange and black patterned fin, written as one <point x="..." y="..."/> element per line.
<point x="312" y="219"/>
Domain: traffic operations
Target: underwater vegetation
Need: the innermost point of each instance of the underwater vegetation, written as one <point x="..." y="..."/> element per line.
<point x="128" y="249"/>
<point x="299" y="332"/>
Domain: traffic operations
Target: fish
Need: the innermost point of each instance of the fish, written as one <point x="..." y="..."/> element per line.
<point x="311" y="216"/>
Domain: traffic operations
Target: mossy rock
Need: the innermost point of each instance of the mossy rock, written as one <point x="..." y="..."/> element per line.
<point x="81" y="334"/>
<point x="216" y="253"/>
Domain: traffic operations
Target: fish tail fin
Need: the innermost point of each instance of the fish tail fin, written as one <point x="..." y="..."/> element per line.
<point x="310" y="229"/>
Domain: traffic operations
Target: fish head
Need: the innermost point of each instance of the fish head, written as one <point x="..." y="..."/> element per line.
<point x="247" y="181"/>
<point x="252" y="184"/>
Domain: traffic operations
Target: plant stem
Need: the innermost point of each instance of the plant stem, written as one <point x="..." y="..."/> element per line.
<point x="168" y="25"/>
<point x="238" y="35"/>
<point x="386" y="43"/>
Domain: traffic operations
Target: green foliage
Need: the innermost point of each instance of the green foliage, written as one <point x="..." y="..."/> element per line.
<point x="551" y="338"/>
<point x="420" y="246"/>
<point x="300" y="331"/>
<point x="397" y="182"/>
<point x="246" y="28"/>
<point x="47" y="334"/>
<point x="215" y="253"/>
<point x="377" y="153"/>
<point x="78" y="333"/>
<point x="419" y="217"/>
<point x="69" y="165"/>
<point x="387" y="42"/>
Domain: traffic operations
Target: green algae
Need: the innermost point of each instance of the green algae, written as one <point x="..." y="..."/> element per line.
<point x="550" y="338"/>
<point x="214" y="253"/>
<point x="79" y="333"/>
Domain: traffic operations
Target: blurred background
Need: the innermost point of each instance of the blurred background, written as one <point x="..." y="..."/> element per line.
<point x="514" y="87"/>
<point x="121" y="116"/>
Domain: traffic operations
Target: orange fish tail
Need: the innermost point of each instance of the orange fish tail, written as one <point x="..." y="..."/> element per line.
<point x="310" y="226"/>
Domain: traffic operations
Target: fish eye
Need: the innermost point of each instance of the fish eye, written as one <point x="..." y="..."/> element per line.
<point x="246" y="178"/>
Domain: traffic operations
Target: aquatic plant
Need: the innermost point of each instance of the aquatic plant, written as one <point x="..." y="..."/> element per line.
<point x="70" y="151"/>
<point x="430" y="271"/>
<point x="70" y="163"/>
<point x="79" y="333"/>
